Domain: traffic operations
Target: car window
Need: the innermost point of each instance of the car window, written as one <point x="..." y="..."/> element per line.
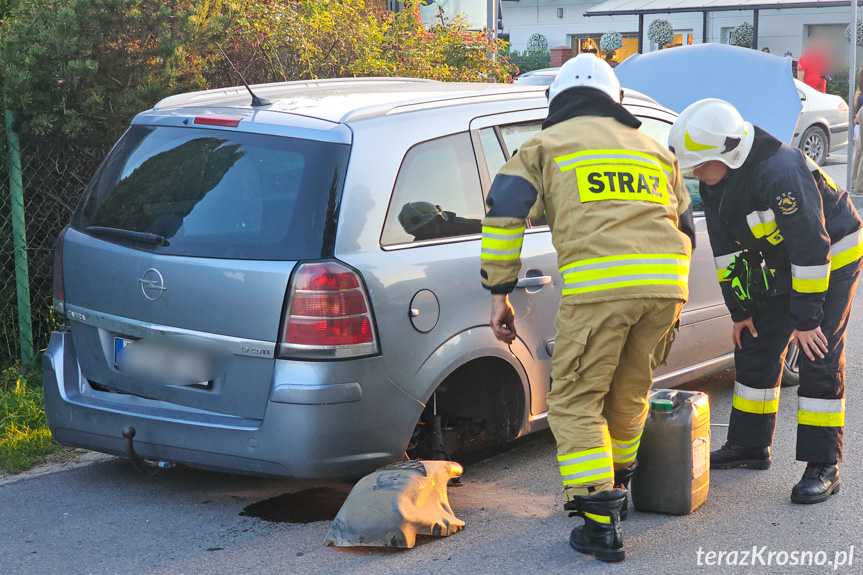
<point x="494" y="156"/>
<point x="536" y="79"/>
<point x="216" y="193"/>
<point x="515" y="135"/>
<point x="656" y="129"/>
<point x="437" y="193"/>
<point x="659" y="131"/>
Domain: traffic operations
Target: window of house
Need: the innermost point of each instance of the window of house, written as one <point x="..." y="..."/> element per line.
<point x="682" y="39"/>
<point x="437" y="193"/>
<point x="590" y="43"/>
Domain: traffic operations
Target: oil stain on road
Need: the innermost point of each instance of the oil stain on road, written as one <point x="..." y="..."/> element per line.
<point x="307" y="506"/>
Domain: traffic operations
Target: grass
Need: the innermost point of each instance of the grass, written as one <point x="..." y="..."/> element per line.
<point x="24" y="436"/>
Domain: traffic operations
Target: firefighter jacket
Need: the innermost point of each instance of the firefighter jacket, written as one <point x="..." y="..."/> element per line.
<point x="612" y="196"/>
<point x="782" y="205"/>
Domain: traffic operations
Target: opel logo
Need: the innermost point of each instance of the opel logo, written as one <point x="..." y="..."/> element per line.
<point x="152" y="284"/>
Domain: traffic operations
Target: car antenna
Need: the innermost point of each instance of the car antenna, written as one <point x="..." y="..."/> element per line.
<point x="256" y="101"/>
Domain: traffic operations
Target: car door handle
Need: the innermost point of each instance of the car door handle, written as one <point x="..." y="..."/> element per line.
<point x="533" y="282"/>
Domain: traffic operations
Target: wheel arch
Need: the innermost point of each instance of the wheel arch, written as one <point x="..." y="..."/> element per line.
<point x="473" y="363"/>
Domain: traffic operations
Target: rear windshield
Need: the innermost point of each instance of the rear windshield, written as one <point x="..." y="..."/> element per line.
<point x="215" y="193"/>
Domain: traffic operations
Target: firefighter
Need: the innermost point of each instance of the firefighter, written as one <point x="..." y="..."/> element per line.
<point x="427" y="221"/>
<point x="615" y="203"/>
<point x="766" y="200"/>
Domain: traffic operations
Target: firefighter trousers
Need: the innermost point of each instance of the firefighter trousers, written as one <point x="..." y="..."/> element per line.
<point x="602" y="372"/>
<point x="821" y="395"/>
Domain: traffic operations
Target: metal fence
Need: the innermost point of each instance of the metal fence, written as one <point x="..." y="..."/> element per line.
<point x="53" y="173"/>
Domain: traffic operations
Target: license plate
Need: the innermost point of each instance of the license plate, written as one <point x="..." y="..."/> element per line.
<point x="163" y="368"/>
<point x="119" y="344"/>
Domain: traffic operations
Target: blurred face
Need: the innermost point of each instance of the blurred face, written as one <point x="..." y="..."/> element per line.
<point x="711" y="173"/>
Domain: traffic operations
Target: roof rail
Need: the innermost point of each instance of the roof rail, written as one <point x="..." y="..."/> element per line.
<point x="378" y="110"/>
<point x="216" y="94"/>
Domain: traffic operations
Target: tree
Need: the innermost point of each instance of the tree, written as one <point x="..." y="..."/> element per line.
<point x="83" y="68"/>
<point x="343" y="38"/>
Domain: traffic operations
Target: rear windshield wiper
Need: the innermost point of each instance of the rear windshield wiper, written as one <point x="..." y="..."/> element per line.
<point x="129" y="234"/>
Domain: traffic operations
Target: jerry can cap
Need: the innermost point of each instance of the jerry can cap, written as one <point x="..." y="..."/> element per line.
<point x="662" y="405"/>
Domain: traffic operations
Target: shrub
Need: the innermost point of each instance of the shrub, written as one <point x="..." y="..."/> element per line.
<point x="661" y="32"/>
<point x="742" y="35"/>
<point x="859" y="32"/>
<point x="24" y="437"/>
<point x="611" y="41"/>
<point x="536" y="56"/>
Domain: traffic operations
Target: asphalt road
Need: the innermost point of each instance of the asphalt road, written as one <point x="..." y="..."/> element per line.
<point x="104" y="518"/>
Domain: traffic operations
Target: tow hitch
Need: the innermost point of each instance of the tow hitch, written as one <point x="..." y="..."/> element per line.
<point x="142" y="466"/>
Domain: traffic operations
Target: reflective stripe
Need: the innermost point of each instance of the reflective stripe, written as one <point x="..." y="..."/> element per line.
<point x="821" y="412"/>
<point x="760" y="217"/>
<point x="694" y="146"/>
<point x="847" y="250"/>
<point x="813" y="167"/>
<point x="763" y="225"/>
<point x="586" y="466"/>
<point x="624" y="451"/>
<point x="810" y="279"/>
<point x="722" y="263"/>
<point x="598" y="518"/>
<point x="753" y="400"/>
<point x="569" y="161"/>
<point x="622" y="271"/>
<point x="501" y="244"/>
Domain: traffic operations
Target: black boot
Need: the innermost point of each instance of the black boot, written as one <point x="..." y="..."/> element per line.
<point x="600" y="534"/>
<point x="733" y="455"/>
<point x="819" y="482"/>
<point x="621" y="481"/>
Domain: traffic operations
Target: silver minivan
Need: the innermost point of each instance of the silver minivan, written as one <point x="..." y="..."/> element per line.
<point x="327" y="245"/>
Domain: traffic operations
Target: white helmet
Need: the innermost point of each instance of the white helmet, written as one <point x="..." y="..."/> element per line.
<point x="711" y="129"/>
<point x="589" y="71"/>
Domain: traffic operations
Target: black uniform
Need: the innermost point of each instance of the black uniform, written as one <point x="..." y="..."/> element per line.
<point x="781" y="205"/>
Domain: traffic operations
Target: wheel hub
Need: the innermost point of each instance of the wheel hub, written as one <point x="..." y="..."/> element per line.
<point x="814" y="148"/>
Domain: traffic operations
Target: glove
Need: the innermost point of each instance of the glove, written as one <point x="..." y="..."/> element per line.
<point x="749" y="281"/>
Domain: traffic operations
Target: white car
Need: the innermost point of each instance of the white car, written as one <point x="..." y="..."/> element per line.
<point x="823" y="123"/>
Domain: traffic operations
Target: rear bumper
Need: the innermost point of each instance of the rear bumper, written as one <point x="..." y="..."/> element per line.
<point x="302" y="435"/>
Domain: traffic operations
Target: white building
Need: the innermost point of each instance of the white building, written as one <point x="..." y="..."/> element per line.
<point x="781" y="28"/>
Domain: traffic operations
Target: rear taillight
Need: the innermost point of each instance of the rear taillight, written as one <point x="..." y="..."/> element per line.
<point x="843" y="107"/>
<point x="59" y="291"/>
<point x="327" y="314"/>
